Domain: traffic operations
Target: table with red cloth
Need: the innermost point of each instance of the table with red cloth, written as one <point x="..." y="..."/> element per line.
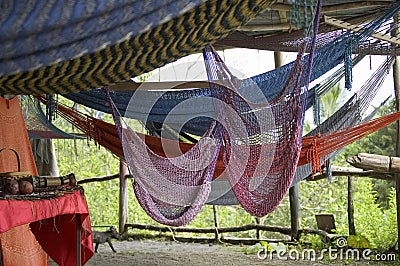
<point x="56" y="222"/>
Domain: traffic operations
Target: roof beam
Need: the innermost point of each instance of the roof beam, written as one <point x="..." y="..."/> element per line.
<point x="334" y="8"/>
<point x="162" y="85"/>
<point x="344" y="25"/>
<point x="268" y="27"/>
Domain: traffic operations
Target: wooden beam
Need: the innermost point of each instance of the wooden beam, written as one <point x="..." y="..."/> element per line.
<point x="248" y="227"/>
<point x="355" y="172"/>
<point x="376" y="162"/>
<point x="162" y="85"/>
<point x="282" y="14"/>
<point x="100" y="179"/>
<point x="344" y="25"/>
<point x="78" y="234"/>
<point x="294" y="199"/>
<point x="206" y="240"/>
<point x="335" y="8"/>
<point x="267" y="27"/>
<point x="215" y="212"/>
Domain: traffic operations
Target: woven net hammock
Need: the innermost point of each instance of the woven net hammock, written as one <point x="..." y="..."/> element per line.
<point x="348" y="115"/>
<point x="312" y="149"/>
<point x="336" y="49"/>
<point x="316" y="147"/>
<point x="171" y="190"/>
<point x="261" y="141"/>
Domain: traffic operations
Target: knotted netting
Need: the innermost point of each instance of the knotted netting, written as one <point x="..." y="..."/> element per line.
<point x="261" y="142"/>
<point x="346" y="116"/>
<point x="171" y="189"/>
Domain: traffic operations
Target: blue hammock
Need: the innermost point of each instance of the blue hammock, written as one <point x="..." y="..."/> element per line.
<point x="154" y="106"/>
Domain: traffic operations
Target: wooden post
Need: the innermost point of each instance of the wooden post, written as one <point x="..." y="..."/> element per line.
<point x="278" y="57"/>
<point x="294" y="196"/>
<point x="350" y="205"/>
<point x="216" y="222"/>
<point x="293" y="191"/>
<point x="123" y="196"/>
<point x="396" y="83"/>
<point x="258" y="233"/>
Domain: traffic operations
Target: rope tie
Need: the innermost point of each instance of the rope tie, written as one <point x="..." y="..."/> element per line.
<point x="313" y="156"/>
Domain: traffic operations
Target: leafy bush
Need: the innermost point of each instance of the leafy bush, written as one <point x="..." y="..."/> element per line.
<point x="373" y="222"/>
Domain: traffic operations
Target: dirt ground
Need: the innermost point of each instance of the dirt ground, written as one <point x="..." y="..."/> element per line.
<point x="165" y="253"/>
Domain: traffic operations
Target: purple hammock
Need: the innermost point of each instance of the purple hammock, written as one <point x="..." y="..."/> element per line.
<point x="260" y="145"/>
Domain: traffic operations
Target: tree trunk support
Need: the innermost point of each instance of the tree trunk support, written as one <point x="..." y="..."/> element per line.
<point x="294" y="212"/>
<point x="215" y="211"/>
<point x="350" y="205"/>
<point x="123" y="196"/>
<point x="396" y="83"/>
<point x="376" y="162"/>
<point x="258" y="232"/>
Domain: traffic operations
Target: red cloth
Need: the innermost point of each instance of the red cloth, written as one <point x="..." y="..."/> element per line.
<point x="53" y="223"/>
<point x="18" y="245"/>
<point x="13" y="135"/>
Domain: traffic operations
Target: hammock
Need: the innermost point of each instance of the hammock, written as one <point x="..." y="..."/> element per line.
<point x="328" y="83"/>
<point x="256" y="141"/>
<point x="155" y="106"/>
<point x="349" y="114"/>
<point x="105" y="134"/>
<point x="38" y="125"/>
<point x="108" y="42"/>
<point x="315" y="147"/>
<point x="171" y="190"/>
